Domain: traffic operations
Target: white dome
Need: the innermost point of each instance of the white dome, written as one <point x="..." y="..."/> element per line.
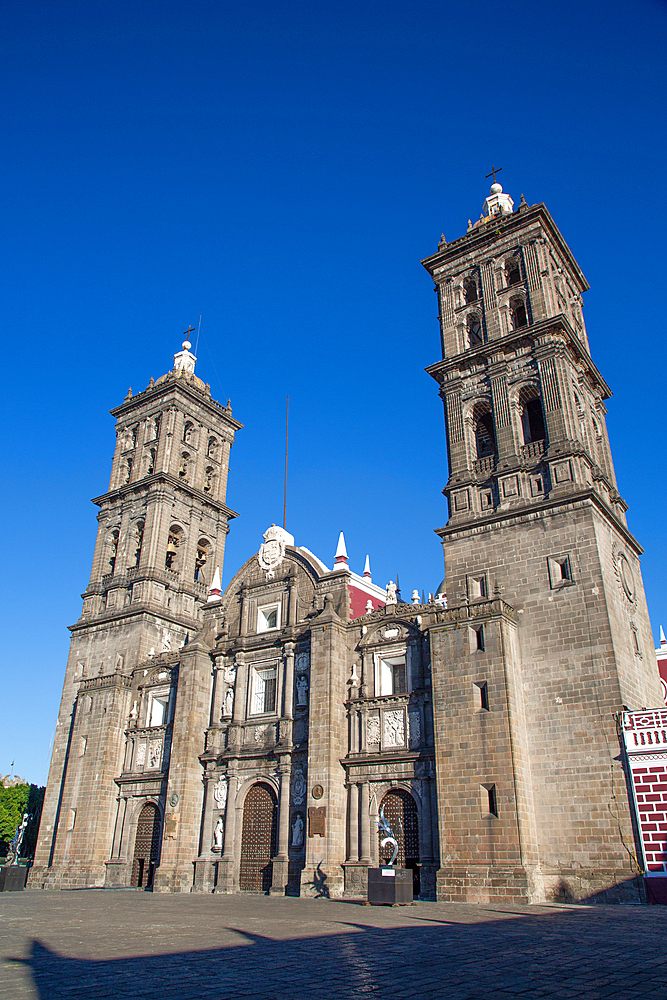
<point x="496" y="188"/>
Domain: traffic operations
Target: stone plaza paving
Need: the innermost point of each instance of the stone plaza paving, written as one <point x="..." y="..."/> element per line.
<point x="125" y="943"/>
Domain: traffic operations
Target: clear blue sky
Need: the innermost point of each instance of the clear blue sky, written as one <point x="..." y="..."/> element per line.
<point x="282" y="168"/>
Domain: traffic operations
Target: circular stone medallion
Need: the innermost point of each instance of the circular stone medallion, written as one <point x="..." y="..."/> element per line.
<point x="317" y="792"/>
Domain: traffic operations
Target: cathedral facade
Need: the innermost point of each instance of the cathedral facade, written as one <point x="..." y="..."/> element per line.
<point x="248" y="740"/>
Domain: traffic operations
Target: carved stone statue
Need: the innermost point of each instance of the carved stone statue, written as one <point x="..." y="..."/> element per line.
<point x="391" y="593"/>
<point x="298" y="785"/>
<point x="229" y="701"/>
<point x="218" y="834"/>
<point x="302" y="691"/>
<point x="220" y="793"/>
<point x="297" y="831"/>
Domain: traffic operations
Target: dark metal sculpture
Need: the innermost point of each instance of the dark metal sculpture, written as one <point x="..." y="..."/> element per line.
<point x="15" y="844"/>
<point x="384" y="827"/>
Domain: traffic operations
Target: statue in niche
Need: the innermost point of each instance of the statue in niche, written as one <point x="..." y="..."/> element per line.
<point x="297" y="831"/>
<point x="218" y="834"/>
<point x="298" y="785"/>
<point x="302" y="691"/>
<point x="229" y="701"/>
<point x="220" y="793"/>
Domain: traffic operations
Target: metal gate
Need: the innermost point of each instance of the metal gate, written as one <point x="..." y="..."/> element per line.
<point x="258" y="840"/>
<point x="400" y="811"/>
<point x="146" y="847"/>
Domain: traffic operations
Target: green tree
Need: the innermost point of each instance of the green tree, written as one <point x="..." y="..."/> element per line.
<point x="14" y="801"/>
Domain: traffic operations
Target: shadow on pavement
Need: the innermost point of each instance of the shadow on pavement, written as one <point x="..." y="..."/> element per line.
<point x="563" y="954"/>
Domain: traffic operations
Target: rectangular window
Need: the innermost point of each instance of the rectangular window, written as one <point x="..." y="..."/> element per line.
<point x="476" y="586"/>
<point x="490" y="806"/>
<point x="264" y="691"/>
<point x="393" y="678"/>
<point x="483" y="689"/>
<point x="560" y="571"/>
<point x="158" y="711"/>
<point x="268" y="617"/>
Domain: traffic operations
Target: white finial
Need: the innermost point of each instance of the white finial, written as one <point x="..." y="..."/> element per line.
<point x="184" y="360"/>
<point x="369" y="606"/>
<point x="367" y="568"/>
<point x="340" y="558"/>
<point x="415" y="597"/>
<point x="214" y="592"/>
<point x="354" y="677"/>
<point x="663" y="641"/>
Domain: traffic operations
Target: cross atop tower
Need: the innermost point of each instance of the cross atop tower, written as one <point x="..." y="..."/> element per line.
<point x="494" y="171"/>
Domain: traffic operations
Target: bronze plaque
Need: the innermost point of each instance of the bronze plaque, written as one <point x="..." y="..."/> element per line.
<point x="317" y="821"/>
<point x="317" y="792"/>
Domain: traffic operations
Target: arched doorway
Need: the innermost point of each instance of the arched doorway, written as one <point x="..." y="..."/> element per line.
<point x="400" y="811"/>
<point x="146" y="847"/>
<point x="258" y="840"/>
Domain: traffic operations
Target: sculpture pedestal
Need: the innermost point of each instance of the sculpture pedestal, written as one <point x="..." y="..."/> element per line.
<point x="13" y="878"/>
<point x="389" y="886"/>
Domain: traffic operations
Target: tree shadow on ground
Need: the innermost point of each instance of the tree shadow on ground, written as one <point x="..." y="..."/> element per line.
<point x="562" y="953"/>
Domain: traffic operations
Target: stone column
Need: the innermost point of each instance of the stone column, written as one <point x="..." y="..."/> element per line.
<point x="288" y="693"/>
<point x="226" y="863"/>
<point x="353" y="824"/>
<point x="283" y="809"/>
<point x="281" y="860"/>
<point x="427" y="821"/>
<point x="364" y="805"/>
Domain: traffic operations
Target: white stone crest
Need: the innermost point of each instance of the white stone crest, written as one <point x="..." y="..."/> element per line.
<point x="220" y="792"/>
<point x="272" y="550"/>
<point x="394" y="729"/>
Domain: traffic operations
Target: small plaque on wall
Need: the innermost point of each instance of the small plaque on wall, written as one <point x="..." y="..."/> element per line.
<point x="317" y="821"/>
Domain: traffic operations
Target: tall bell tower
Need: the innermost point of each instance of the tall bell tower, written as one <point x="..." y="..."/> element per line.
<point x="162" y="529"/>
<point x="535" y="522"/>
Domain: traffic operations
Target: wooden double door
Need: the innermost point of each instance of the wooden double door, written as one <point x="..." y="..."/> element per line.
<point x="146" y="847"/>
<point x="258" y="839"/>
<point x="400" y="811"/>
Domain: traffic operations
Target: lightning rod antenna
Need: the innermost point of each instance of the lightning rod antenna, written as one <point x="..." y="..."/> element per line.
<point x="198" y="329"/>
<point x="286" y="442"/>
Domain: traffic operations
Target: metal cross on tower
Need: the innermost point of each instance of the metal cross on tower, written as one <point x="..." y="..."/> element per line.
<point x="494" y="171"/>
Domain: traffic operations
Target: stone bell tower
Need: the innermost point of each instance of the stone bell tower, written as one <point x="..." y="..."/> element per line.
<point x="162" y="529"/>
<point x="537" y="528"/>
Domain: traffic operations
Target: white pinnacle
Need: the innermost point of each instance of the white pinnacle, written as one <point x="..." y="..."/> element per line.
<point x="663" y="641"/>
<point x="367" y="567"/>
<point x="214" y="592"/>
<point x="341" y="551"/>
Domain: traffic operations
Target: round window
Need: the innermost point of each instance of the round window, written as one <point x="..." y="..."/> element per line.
<point x="625" y="576"/>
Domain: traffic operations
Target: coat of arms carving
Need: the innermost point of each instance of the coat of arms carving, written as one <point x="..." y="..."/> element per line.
<point x="272" y="550"/>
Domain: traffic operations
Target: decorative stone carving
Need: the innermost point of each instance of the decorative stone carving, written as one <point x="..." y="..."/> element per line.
<point x="391" y="633"/>
<point x="229" y="674"/>
<point x="373" y="730"/>
<point x="394" y="728"/>
<point x="302" y="691"/>
<point x="166" y="640"/>
<point x="414" y="728"/>
<point x="141" y="755"/>
<point x="302" y="663"/>
<point x="154" y="753"/>
<point x="272" y="551"/>
<point x="220" y="792"/>
<point x="391" y="593"/>
<point x="298" y="785"/>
